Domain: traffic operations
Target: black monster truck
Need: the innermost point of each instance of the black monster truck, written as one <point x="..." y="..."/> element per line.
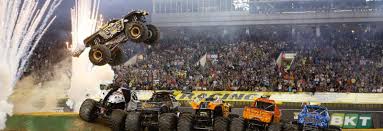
<point x="159" y="112"/>
<point x="112" y="107"/>
<point x="104" y="43"/>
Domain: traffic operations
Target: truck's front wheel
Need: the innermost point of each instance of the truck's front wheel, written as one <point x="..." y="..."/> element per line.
<point x="220" y="124"/>
<point x="136" y="31"/>
<point x="185" y="122"/>
<point x="99" y="55"/>
<point x="132" y="121"/>
<point x="118" y="57"/>
<point x="153" y="35"/>
<point x="117" y="120"/>
<point x="88" y="110"/>
<point x="167" y="122"/>
<point x="236" y="124"/>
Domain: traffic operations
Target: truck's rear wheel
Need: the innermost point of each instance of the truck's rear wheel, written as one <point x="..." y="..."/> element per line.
<point x="117" y="57"/>
<point x="99" y="55"/>
<point x="220" y="124"/>
<point x="255" y="129"/>
<point x="167" y="122"/>
<point x="117" y="120"/>
<point x="333" y="128"/>
<point x="88" y="110"/>
<point x="132" y="121"/>
<point x="236" y="124"/>
<point x="290" y="127"/>
<point x="153" y="35"/>
<point x="274" y="127"/>
<point x="185" y="122"/>
<point x="136" y="31"/>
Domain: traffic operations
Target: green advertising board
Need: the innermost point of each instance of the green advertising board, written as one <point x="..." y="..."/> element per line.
<point x="349" y="120"/>
<point x="365" y="121"/>
<point x="337" y="119"/>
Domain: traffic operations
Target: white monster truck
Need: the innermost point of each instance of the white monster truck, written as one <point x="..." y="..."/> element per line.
<point x="112" y="106"/>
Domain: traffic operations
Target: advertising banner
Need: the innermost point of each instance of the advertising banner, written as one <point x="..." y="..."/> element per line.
<point x="246" y="96"/>
<point x="349" y="120"/>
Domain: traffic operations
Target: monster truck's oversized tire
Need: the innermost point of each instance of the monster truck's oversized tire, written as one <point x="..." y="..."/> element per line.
<point x="167" y="122"/>
<point x="274" y="127"/>
<point x="136" y="31"/>
<point x="333" y="128"/>
<point x="153" y="35"/>
<point x="133" y="122"/>
<point x="220" y="124"/>
<point x="88" y="110"/>
<point x="290" y="127"/>
<point x="118" y="57"/>
<point x="236" y="124"/>
<point x="117" y="120"/>
<point x="185" y="122"/>
<point x="99" y="55"/>
<point x="256" y="129"/>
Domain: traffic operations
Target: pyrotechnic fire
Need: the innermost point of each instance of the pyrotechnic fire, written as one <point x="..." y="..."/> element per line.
<point x="85" y="77"/>
<point x="22" y="24"/>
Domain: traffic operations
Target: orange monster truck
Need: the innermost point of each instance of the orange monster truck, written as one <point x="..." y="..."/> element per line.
<point x="209" y="114"/>
<point x="263" y="114"/>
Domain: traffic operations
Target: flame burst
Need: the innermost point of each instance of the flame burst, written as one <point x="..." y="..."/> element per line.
<point x="85" y="78"/>
<point x="22" y="24"/>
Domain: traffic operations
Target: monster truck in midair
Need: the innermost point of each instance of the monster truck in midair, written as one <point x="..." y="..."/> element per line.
<point x="104" y="42"/>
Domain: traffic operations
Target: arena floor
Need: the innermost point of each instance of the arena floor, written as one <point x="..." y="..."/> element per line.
<point x="51" y="121"/>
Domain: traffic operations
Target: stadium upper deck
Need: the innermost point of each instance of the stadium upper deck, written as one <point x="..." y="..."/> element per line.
<point x="251" y="12"/>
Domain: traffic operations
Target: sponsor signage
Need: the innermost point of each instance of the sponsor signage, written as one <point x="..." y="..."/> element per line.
<point x="349" y="120"/>
<point x="243" y="96"/>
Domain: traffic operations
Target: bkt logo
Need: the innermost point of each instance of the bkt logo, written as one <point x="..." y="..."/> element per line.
<point x="351" y="120"/>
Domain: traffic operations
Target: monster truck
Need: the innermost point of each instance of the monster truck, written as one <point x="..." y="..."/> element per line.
<point x="104" y="42"/>
<point x="209" y="114"/>
<point x="315" y="118"/>
<point x="111" y="107"/>
<point x="159" y="112"/>
<point x="264" y="114"/>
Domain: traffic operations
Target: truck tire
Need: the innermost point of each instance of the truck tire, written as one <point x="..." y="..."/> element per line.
<point x="274" y="127"/>
<point x="153" y="35"/>
<point x="220" y="124"/>
<point x="256" y="129"/>
<point x="167" y="122"/>
<point x="185" y="122"/>
<point x="99" y="55"/>
<point x="290" y="127"/>
<point x="118" y="57"/>
<point x="88" y="110"/>
<point x="117" y="120"/>
<point x="136" y="31"/>
<point x="333" y="128"/>
<point x="236" y="124"/>
<point x="132" y="121"/>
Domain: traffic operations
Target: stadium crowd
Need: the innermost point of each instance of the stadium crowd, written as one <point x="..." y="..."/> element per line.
<point x="334" y="62"/>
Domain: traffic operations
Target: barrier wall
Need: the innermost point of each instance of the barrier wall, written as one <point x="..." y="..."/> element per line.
<point x="248" y="96"/>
